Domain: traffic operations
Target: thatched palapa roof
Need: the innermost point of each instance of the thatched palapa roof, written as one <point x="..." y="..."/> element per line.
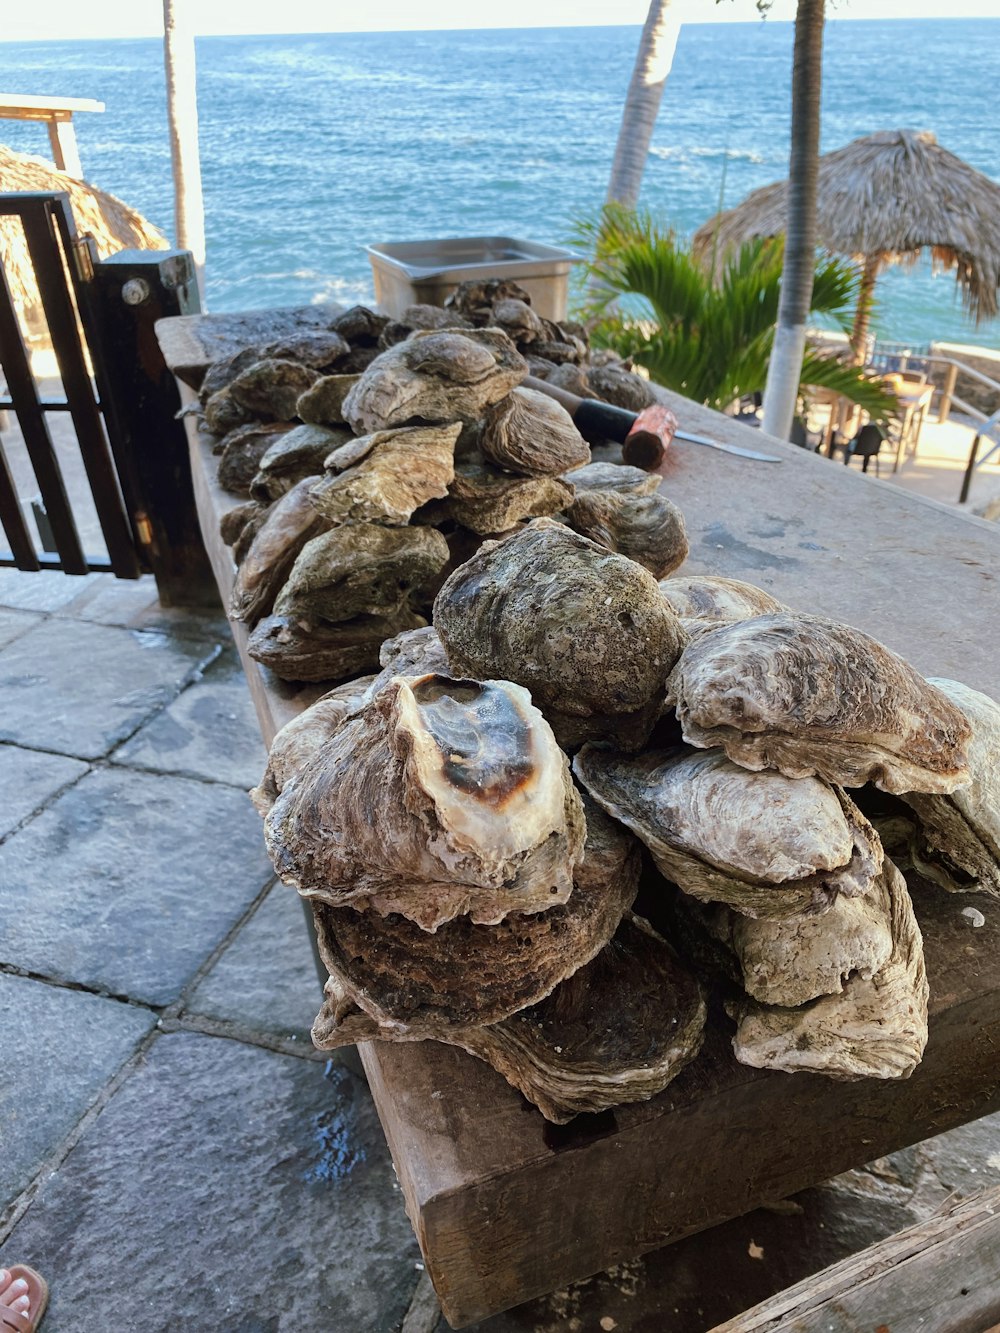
<point x="113" y="225"/>
<point x="888" y="197"/>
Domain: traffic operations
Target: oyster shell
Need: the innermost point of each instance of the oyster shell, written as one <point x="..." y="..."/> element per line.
<point x="649" y="529"/>
<point x="323" y="403"/>
<point x="220" y="374"/>
<point x="296" y="452"/>
<point x="437" y="375"/>
<point x="809" y="696"/>
<point x="233" y="521"/>
<point x="223" y="413"/>
<point x="241" y="451"/>
<point x="360" y="326"/>
<point x="705" y="599"/>
<point x="475" y="298"/>
<point x="614" y="477"/>
<point x="289" y="524"/>
<point x="271" y="389"/>
<point x="873" y="1028"/>
<point x="621" y="387"/>
<point x="517" y="319"/>
<point x="419" y="317"/>
<point x="383" y="478"/>
<point x="957" y="842"/>
<point x="529" y="433"/>
<point x="319" y="349"/>
<point x="469" y="973"/>
<point x="585" y="631"/>
<point x="360" y="569"/>
<point x="440" y="797"/>
<point x="618" y="1031"/>
<point x="767" y="845"/>
<point x="314" y="650"/>
<point x="486" y="500"/>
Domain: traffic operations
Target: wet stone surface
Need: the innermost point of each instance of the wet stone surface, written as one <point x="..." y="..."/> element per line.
<point x="29" y="779"/>
<point x="80" y="689"/>
<point x="134" y="603"/>
<point x="59" y="1048"/>
<point x="128" y="881"/>
<point x="261" y="1199"/>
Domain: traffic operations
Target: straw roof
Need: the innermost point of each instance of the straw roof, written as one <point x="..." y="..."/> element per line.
<point x="888" y="197"/>
<point x="113" y="225"/>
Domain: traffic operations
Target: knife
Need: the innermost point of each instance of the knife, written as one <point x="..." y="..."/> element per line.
<point x="727" y="448"/>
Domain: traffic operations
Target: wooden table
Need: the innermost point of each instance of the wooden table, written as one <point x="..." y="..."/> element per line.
<point x="915" y="402"/>
<point x="506" y="1207"/>
<point x="57" y="115"/>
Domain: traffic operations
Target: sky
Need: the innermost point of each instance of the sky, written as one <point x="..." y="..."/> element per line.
<point x="66" y="19"/>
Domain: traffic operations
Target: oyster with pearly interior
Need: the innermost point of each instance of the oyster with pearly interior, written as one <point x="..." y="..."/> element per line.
<point x="439" y="797"/>
<point x="705" y="600"/>
<point x="874" y="1028"/>
<point x="649" y="529"/>
<point x="766" y="845"/>
<point x="384" y="477"/>
<point x="440" y="375"/>
<point x="808" y="696"/>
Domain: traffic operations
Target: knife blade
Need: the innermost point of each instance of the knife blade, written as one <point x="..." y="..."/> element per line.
<point x="727" y="448"/>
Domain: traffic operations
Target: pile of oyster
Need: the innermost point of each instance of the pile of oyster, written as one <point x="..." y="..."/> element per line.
<point x="580" y="797"/>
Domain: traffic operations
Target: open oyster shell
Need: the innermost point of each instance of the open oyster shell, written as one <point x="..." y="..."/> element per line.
<point x="439" y="797"/>
<point x="439" y="375"/>
<point x="586" y="631"/>
<point x="383" y="478"/>
<point x="468" y="973"/>
<point x="767" y="845"/>
<point x="530" y="433"/>
<point x="619" y="1030"/>
<point x="362" y="568"/>
<point x="874" y="1028"/>
<point x="289" y="524"/>
<point x="957" y="839"/>
<point x="805" y="695"/>
<point x="704" y="600"/>
<point x="649" y="529"/>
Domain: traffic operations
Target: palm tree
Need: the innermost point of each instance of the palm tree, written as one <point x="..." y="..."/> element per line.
<point x="711" y="341"/>
<point x="642" y="103"/>
<point x="182" y="115"/>
<point x="785" y="367"/>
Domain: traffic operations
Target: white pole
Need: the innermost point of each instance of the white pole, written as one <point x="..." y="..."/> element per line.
<point x="182" y="116"/>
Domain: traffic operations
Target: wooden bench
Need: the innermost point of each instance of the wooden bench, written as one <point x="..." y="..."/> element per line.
<point x="507" y="1207"/>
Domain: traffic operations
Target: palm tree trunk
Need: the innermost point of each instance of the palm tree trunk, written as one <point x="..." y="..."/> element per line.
<point x="859" y="333"/>
<point x="182" y="116"/>
<point x="642" y="103"/>
<point x="785" y="366"/>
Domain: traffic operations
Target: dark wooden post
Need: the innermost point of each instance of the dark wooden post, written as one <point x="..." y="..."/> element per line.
<point x="133" y="289"/>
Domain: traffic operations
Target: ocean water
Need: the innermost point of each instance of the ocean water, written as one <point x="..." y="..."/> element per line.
<point x="314" y="146"/>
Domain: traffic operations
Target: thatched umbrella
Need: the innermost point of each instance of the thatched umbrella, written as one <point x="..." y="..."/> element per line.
<point x="885" y="199"/>
<point x="113" y="225"/>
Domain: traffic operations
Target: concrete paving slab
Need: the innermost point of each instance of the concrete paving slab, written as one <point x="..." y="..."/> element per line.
<point x="266" y="979"/>
<point x="134" y="604"/>
<point x="59" y="1048"/>
<point x="28" y="780"/>
<point x="80" y="689"/>
<point x="209" y="731"/>
<point x="44" y="591"/>
<point x="14" y="623"/>
<point x="128" y="881"/>
<point x="225" y="1187"/>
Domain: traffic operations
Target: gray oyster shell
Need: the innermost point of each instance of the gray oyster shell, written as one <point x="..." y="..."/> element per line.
<point x="586" y="631"/>
<point x="873" y="1028"/>
<point x="440" y="375"/>
<point x="766" y="845"/>
<point x="648" y="529"/>
<point x="384" y="477"/>
<point x="316" y="650"/>
<point x="486" y="500"/>
<point x="241" y="451"/>
<point x="296" y="452"/>
<point x="805" y="695"/>
<point x="271" y="389"/>
<point x="438" y="798"/>
<point x="706" y="600"/>
<point x="531" y="434"/>
<point x="289" y="524"/>
<point x="323" y="403"/>
<point x="614" y="477"/>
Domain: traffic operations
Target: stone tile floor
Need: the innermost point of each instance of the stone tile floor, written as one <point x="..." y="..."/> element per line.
<point x="173" y="1153"/>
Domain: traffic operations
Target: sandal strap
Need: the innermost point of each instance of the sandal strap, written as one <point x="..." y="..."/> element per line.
<point x="15" y="1321"/>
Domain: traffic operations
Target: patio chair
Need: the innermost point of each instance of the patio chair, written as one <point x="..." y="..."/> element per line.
<point x="865" y="445"/>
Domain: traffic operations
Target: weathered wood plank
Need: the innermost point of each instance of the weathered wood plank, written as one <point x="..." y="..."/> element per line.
<point x="941" y="1276"/>
<point x="506" y="1207"/>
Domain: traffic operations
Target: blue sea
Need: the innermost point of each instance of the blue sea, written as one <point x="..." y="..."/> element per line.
<point x="314" y="146"/>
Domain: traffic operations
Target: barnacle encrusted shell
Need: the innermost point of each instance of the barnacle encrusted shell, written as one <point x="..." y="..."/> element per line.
<point x="791" y="960"/>
<point x="706" y="599"/>
<point x="957" y="840"/>
<point x="613" y="477"/>
<point x="874" y="1028"/>
<point x="298" y="740"/>
<point x="449" y="793"/>
<point x="647" y="528"/>
<point x="530" y="433"/>
<point x="586" y="631"/>
<point x="766" y="845"/>
<point x="271" y="388"/>
<point x="440" y="375"/>
<point x="289" y="524"/>
<point x="486" y="500"/>
<point x="808" y="696"/>
<point x="469" y="973"/>
<point x="316" y="650"/>
<point x="360" y="569"/>
<point x="619" y="1030"/>
<point x="384" y="477"/>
